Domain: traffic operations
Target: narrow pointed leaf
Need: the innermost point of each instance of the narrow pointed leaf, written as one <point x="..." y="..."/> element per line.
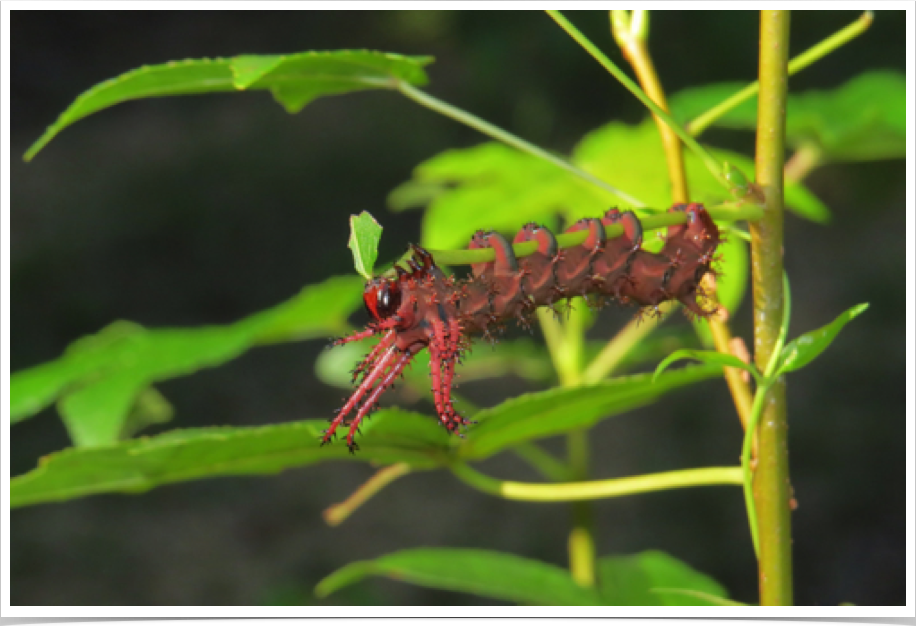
<point x="706" y="356"/>
<point x="805" y="348"/>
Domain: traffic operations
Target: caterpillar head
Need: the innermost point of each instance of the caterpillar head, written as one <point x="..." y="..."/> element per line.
<point x="382" y="298"/>
<point x="699" y="231"/>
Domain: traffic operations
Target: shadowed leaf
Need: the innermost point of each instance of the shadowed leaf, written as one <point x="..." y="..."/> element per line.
<point x="482" y="572"/>
<point x="390" y="436"/>
<point x="293" y="79"/>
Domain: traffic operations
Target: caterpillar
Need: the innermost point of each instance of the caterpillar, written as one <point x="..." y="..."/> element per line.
<point x="419" y="307"/>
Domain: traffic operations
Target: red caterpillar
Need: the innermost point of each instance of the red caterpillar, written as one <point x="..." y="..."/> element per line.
<point x="421" y="308"/>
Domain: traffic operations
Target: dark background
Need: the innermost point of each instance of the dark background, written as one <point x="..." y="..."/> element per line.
<point x="201" y="210"/>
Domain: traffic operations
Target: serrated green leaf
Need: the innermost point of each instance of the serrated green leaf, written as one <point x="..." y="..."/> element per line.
<point x="654" y="578"/>
<point x="538" y="415"/>
<point x="481" y="572"/>
<point x="293" y="79"/>
<point x="706" y="356"/>
<point x="863" y="119"/>
<point x="365" y="233"/>
<point x="390" y="436"/>
<point x="492" y="186"/>
<point x="99" y="378"/>
<point x="805" y="348"/>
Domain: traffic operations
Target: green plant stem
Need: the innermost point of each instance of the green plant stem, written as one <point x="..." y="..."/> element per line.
<point x="715" y="168"/>
<point x="657" y="221"/>
<point x="806" y="58"/>
<point x="771" y="482"/>
<point x="599" y="489"/>
<point x="564" y="343"/>
<point x="336" y="514"/>
<point x="631" y="33"/>
<point x="633" y="40"/>
<point x="549" y="467"/>
<point x="581" y="537"/>
<point x="803" y="162"/>
<point x="423" y="98"/>
<point x="617" y="348"/>
<point x="754" y="416"/>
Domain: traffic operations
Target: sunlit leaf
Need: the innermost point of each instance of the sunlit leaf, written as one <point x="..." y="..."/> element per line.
<point x="293" y="79"/>
<point x="365" y="233"/>
<point x="482" y="572"/>
<point x="863" y="119"/>
<point x="492" y="186"/>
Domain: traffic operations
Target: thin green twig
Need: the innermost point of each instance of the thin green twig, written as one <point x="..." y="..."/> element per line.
<point x="715" y="168"/>
<point x="803" y="60"/>
<point x="598" y="489"/>
<point x="459" y="115"/>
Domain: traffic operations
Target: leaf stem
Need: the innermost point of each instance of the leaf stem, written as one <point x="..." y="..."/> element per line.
<point x="632" y="36"/>
<point x="468" y="119"/>
<point x="617" y="348"/>
<point x="336" y="514"/>
<point x="631" y="33"/>
<point x="803" y="60"/>
<point x="598" y="489"/>
<point x="771" y="483"/>
<point x="715" y="168"/>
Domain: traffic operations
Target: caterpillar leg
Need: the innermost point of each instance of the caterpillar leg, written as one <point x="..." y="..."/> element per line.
<point x="395" y="370"/>
<point x="380" y="347"/>
<point x="444" y="351"/>
<point x="377" y="371"/>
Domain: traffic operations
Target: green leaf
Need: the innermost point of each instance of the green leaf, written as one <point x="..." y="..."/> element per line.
<point x="706" y="356"/>
<point x="654" y="578"/>
<point x="365" y="233"/>
<point x="293" y="79"/>
<point x="556" y="411"/>
<point x="489" y="186"/>
<point x="482" y="572"/>
<point x="99" y="378"/>
<point x="495" y="187"/>
<point x="863" y="119"/>
<point x="805" y="348"/>
<point x="133" y="466"/>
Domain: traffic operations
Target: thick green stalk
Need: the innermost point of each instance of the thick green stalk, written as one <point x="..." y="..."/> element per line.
<point x="771" y="481"/>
